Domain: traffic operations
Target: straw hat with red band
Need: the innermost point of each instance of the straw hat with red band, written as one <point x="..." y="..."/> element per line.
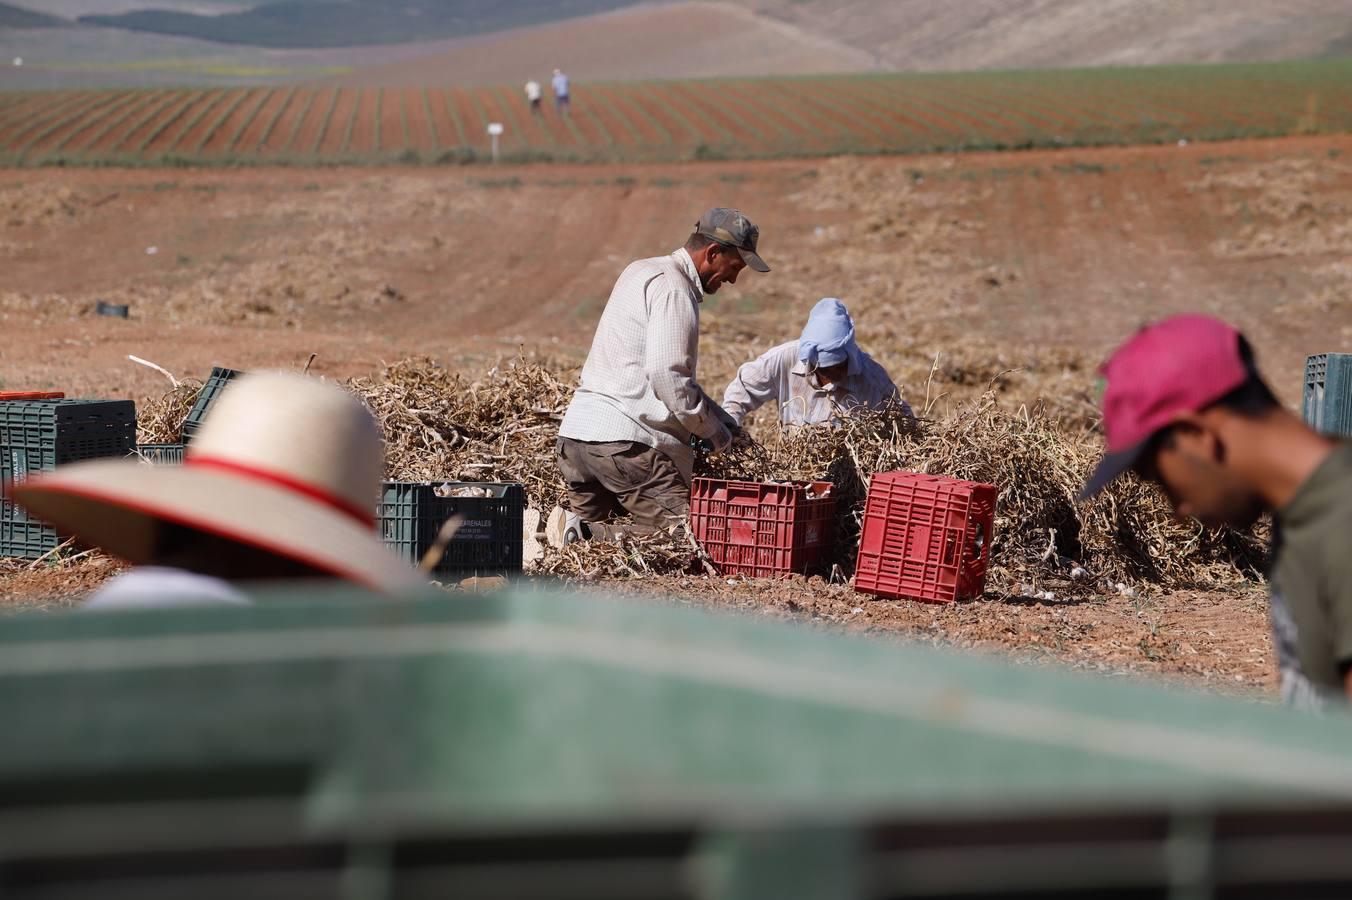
<point x="284" y="463"/>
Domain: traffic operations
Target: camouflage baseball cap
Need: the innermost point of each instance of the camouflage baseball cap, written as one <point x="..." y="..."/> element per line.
<point x="730" y="227"/>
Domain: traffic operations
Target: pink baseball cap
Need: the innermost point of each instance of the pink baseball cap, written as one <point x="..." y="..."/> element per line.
<point x="1178" y="365"/>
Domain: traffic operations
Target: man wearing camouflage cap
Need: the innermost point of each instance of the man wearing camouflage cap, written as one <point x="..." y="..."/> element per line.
<point x="625" y="445"/>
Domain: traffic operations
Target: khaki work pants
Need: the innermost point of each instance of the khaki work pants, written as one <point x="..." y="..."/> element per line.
<point x="618" y="478"/>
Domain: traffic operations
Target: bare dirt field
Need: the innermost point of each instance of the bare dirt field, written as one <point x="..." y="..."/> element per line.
<point x="957" y="268"/>
<point x="986" y="259"/>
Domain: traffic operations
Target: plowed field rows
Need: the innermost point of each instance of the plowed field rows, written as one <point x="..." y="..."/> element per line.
<point x="673" y="120"/>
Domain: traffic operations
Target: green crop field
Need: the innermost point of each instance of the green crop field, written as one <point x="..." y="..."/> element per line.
<point x="676" y="120"/>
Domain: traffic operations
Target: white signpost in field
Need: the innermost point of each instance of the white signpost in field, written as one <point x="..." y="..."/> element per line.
<point x="495" y="131"/>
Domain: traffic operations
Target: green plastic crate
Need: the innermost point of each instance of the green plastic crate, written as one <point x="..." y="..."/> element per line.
<point x="489" y="541"/>
<point x="1328" y="393"/>
<point x="542" y="744"/>
<point x="40" y="435"/>
<point x="163" y="454"/>
<point x="211" y="392"/>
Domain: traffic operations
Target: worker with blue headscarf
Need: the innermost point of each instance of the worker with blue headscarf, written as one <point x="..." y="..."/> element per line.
<point x="817" y="379"/>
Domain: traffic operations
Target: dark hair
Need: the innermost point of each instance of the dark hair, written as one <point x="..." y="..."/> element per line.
<point x="697" y="242"/>
<point x="1253" y="397"/>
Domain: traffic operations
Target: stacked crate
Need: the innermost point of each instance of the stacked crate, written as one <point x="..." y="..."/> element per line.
<point x="38" y="436"/>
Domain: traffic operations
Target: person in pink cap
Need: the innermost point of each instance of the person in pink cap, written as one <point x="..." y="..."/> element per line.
<point x="1185" y="408"/>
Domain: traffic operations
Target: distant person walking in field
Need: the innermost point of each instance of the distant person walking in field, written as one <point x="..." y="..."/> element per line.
<point x="626" y="445"/>
<point x="278" y="486"/>
<point x="533" y="94"/>
<point x="560" y="86"/>
<point x="1186" y="408"/>
<point x="817" y="379"/>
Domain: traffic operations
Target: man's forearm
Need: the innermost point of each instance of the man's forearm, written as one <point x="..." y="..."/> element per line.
<point x="687" y="402"/>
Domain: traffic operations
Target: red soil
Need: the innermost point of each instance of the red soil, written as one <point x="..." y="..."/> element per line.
<point x="698" y="103"/>
<point x="199" y="125"/>
<point x="332" y="141"/>
<point x="269" y="115"/>
<point x="230" y="130"/>
<point x="392" y="134"/>
<point x="185" y="118"/>
<point x="442" y="126"/>
<point x="614" y="120"/>
<point x="137" y="103"/>
<point x="785" y="124"/>
<point x="137" y="125"/>
<point x="22" y="129"/>
<point x="498" y="110"/>
<point x="420" y="134"/>
<point x="679" y="125"/>
<point x="366" y="134"/>
<point x="469" y="117"/>
<point x="161" y="120"/>
<point x="589" y="126"/>
<point x="532" y="127"/>
<point x="109" y="105"/>
<point x="821" y="111"/>
<point x="649" y="130"/>
<point x="450" y="122"/>
<point x="299" y="130"/>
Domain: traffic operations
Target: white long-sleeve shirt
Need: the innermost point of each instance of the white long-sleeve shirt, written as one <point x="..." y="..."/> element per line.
<point x="779" y="375"/>
<point x="638" y="383"/>
<point x="146" y="587"/>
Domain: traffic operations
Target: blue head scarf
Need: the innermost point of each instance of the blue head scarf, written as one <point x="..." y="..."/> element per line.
<point x="828" y="339"/>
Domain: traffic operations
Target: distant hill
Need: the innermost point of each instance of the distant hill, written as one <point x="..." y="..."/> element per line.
<point x="345" y="23"/>
<point x="668" y="41"/>
<point x="1019" y="34"/>
<point x="14" y="17"/>
<point x="878" y="34"/>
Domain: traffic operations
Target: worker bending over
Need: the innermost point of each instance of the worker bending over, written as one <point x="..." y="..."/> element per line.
<point x="626" y="442"/>
<point x="817" y="379"/>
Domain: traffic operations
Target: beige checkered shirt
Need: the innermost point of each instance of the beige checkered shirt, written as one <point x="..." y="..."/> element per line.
<point x="639" y="380"/>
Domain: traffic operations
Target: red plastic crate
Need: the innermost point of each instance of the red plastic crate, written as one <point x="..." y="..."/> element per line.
<point x="31" y="395"/>
<point x="925" y="537"/>
<point x="763" y="529"/>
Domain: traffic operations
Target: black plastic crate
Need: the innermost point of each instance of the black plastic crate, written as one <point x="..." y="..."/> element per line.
<point x="1328" y="393"/>
<point x="211" y="392"/>
<point x="488" y="542"/>
<point x="161" y="454"/>
<point x="39" y="436"/>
